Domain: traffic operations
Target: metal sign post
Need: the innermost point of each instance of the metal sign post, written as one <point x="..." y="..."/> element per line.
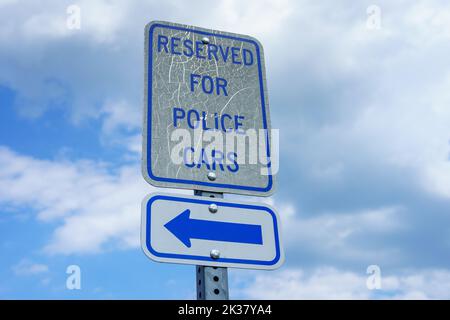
<point x="212" y="282"/>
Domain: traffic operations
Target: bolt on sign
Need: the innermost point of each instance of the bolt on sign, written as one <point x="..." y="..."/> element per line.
<point x="206" y="113"/>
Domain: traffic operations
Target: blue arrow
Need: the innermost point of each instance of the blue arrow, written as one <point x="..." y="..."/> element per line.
<point x="185" y="229"/>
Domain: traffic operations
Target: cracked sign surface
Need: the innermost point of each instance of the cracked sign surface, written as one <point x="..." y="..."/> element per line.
<point x="205" y="110"/>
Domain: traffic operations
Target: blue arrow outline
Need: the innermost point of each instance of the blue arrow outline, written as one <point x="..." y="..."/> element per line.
<point x="185" y="228"/>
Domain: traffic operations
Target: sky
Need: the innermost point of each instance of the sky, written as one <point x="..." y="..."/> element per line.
<point x="363" y="111"/>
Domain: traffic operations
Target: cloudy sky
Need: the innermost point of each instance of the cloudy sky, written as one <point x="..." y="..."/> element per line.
<point x="364" y="117"/>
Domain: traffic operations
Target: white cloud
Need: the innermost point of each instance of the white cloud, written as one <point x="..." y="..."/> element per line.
<point x="6" y="2"/>
<point x="45" y="25"/>
<point x="92" y="205"/>
<point x="337" y="227"/>
<point x="120" y="114"/>
<point x="260" y="18"/>
<point x="101" y="21"/>
<point x="339" y="234"/>
<point x="331" y="283"/>
<point x="120" y="124"/>
<point x="111" y="214"/>
<point x="104" y="19"/>
<point x="436" y="178"/>
<point x="26" y="267"/>
<point x="380" y="99"/>
<point x="408" y="132"/>
<point x="324" y="283"/>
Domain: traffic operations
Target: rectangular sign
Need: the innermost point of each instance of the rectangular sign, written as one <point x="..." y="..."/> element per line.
<point x="206" y="114"/>
<point x="210" y="232"/>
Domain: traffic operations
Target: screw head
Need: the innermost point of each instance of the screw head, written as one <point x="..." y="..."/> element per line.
<point x="205" y="40"/>
<point x="213" y="208"/>
<point x="211" y="176"/>
<point x="215" y="254"/>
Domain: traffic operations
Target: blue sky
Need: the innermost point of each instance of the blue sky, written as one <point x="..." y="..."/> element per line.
<point x="364" y="174"/>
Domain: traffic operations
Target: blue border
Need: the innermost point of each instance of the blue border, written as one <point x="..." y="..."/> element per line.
<point x="149" y="113"/>
<point x="203" y="258"/>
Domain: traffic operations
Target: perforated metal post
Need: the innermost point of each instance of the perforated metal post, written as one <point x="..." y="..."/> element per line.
<point x="212" y="282"/>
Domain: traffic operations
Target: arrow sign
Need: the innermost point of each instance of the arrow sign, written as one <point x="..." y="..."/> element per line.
<point x="181" y="229"/>
<point x="185" y="229"/>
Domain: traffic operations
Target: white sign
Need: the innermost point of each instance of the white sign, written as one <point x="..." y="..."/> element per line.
<point x="206" y="112"/>
<point x="210" y="232"/>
